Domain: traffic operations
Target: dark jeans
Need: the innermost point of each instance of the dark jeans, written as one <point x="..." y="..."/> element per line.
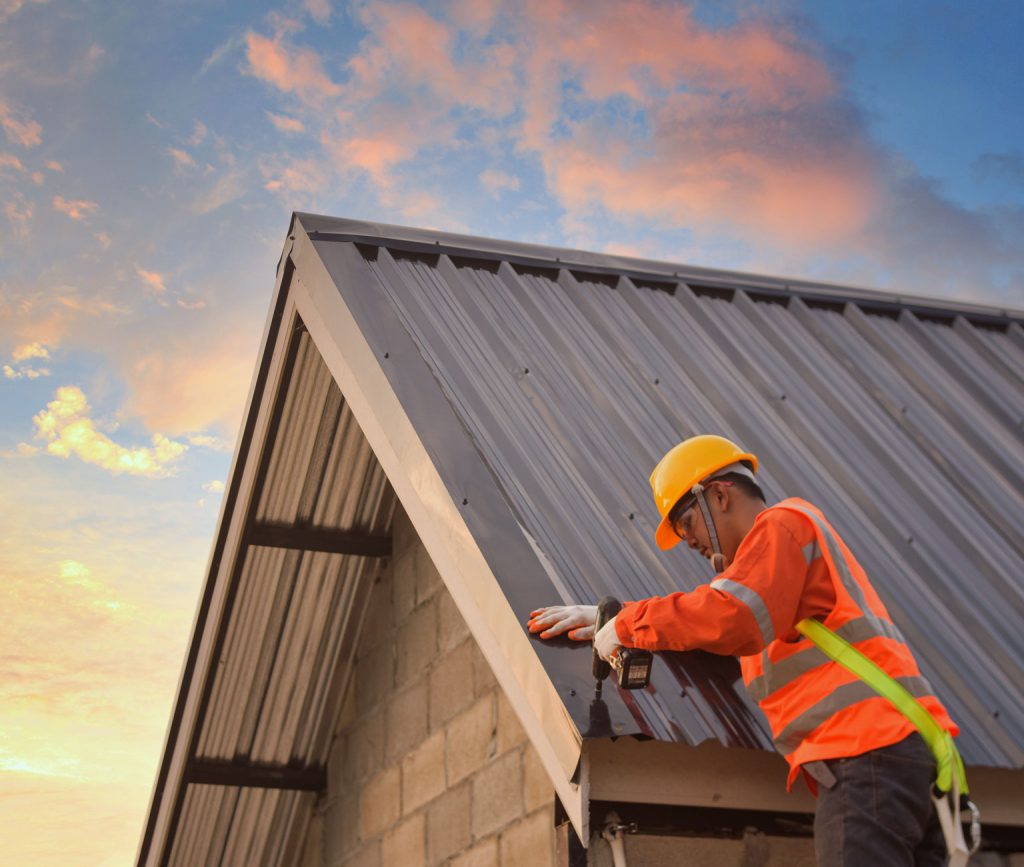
<point x="879" y="811"/>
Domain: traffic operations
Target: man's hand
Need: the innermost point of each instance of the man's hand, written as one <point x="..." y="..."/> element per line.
<point x="577" y="620"/>
<point x="606" y="642"/>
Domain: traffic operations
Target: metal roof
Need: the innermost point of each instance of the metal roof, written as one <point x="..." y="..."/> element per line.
<point x="516" y="398"/>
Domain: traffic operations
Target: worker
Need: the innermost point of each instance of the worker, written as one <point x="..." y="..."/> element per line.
<point x="871" y="771"/>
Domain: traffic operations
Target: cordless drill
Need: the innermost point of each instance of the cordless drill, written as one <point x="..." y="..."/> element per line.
<point x="632" y="666"/>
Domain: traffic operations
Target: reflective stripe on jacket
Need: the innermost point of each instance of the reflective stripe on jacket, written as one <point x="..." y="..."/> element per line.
<point x="793" y="565"/>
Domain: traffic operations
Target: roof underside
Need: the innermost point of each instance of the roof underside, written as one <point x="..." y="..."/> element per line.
<point x="561" y="378"/>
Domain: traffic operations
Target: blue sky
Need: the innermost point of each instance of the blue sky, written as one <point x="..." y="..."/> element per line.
<point x="150" y="157"/>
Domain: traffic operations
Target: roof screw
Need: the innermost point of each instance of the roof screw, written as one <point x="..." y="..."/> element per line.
<point x="387" y="355"/>
<point x="657" y="382"/>
<point x="465" y="502"/>
<point x="631" y="516"/>
<point x="526" y="370"/>
<point x="572" y="692"/>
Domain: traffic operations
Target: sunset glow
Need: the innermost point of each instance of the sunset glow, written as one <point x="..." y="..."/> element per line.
<point x="151" y="156"/>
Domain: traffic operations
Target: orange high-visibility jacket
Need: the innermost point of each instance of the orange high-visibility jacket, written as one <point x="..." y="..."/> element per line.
<point x="793" y="565"/>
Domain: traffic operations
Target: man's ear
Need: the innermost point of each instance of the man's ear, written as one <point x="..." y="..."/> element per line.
<point x="724" y="498"/>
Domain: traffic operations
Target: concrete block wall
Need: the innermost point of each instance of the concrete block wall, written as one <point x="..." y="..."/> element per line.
<point x="430" y="765"/>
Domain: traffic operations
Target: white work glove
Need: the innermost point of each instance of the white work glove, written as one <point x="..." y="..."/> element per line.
<point x="577" y="620"/>
<point x="606" y="642"/>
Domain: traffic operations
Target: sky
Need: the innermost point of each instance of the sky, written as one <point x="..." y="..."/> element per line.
<point x="152" y="153"/>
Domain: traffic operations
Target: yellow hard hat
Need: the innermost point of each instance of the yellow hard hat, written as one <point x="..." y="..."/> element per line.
<point x="684" y="465"/>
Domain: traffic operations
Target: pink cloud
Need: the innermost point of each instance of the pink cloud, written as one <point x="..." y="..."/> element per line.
<point x="494" y="181"/>
<point x="152" y="279"/>
<point x="191" y="384"/>
<point x="26" y="133"/>
<point x="284" y="123"/>
<point x="76" y="209"/>
<point x="54" y="166"/>
<point x="10" y="161"/>
<point x="291" y="70"/>
<point x="183" y="159"/>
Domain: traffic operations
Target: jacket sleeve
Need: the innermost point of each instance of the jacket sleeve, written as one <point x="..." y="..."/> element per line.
<point x="740" y="612"/>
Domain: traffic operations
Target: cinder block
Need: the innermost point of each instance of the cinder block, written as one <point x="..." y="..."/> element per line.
<point x="367" y="855"/>
<point x="790" y="852"/>
<point x="497" y="794"/>
<point x="405" y="846"/>
<point x="416" y="643"/>
<point x="374" y="675"/>
<point x="423" y="773"/>
<point x="452" y="630"/>
<point x="483" y="854"/>
<point x="364" y="747"/>
<point x="510" y="731"/>
<point x="340" y="828"/>
<point x="529" y="842"/>
<point x="428" y="579"/>
<point x="379" y="803"/>
<point x="483" y="677"/>
<point x="405" y="721"/>
<point x="448" y="824"/>
<point x="538" y="790"/>
<point x="451" y="684"/>
<point x="471" y="741"/>
<point x="379" y="624"/>
<point x="403" y="567"/>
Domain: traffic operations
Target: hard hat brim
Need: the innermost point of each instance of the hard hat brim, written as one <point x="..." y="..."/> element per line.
<point x="665" y="537"/>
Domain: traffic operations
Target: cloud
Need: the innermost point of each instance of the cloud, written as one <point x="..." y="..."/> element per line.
<point x="207" y="441"/>
<point x="54" y="166"/>
<point x="10" y="161"/>
<point x="152" y="279"/>
<point x="19" y="213"/>
<point x="220" y="52"/>
<point x="495" y="181"/>
<point x="192" y="379"/>
<point x="284" y="123"/>
<point x="23" y="372"/>
<point x="22" y="354"/>
<point x="10" y="7"/>
<point x="229" y="187"/>
<point x="158" y="124"/>
<point x="104" y="239"/>
<point x="30" y="350"/>
<point x="299" y="71"/>
<point x="319" y="10"/>
<point x="199" y="131"/>
<point x="67" y="430"/>
<point x="76" y="209"/>
<point x="214" y="487"/>
<point x="183" y="159"/>
<point x="25" y="132"/>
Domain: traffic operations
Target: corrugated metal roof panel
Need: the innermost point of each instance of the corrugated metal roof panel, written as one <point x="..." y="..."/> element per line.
<point x="571" y="385"/>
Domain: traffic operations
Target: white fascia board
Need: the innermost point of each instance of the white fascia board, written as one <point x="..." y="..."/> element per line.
<point x="359" y="374"/>
<point x="711" y="775"/>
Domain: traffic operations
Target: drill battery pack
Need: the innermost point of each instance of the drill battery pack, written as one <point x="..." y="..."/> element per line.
<point x="633" y="667"/>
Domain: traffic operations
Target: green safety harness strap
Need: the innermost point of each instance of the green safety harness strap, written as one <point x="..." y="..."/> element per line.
<point x="951" y="779"/>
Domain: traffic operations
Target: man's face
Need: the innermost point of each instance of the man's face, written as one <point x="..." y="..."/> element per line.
<point x="692" y="529"/>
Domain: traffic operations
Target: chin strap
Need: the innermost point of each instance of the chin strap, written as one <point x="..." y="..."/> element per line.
<point x="717" y="557"/>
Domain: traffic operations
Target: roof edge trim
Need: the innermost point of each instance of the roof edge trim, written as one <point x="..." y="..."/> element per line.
<point x="429" y="242"/>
